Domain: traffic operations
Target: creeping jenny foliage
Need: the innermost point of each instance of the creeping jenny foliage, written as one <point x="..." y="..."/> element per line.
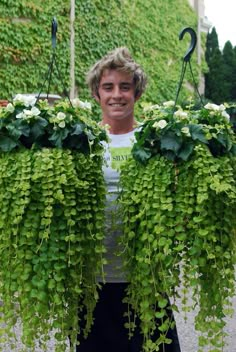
<point x="51" y="222"/>
<point x="180" y="225"/>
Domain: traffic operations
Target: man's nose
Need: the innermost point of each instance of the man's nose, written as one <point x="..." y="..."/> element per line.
<point x="116" y="92"/>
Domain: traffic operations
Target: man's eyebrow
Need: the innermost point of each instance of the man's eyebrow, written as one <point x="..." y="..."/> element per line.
<point x="126" y="83"/>
<point x="105" y="84"/>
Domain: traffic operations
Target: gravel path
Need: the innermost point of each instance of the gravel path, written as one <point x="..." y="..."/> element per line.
<point x="187" y="335"/>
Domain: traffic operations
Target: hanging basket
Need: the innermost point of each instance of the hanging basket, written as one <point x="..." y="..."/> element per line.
<point x="51" y="219"/>
<point x="178" y="203"/>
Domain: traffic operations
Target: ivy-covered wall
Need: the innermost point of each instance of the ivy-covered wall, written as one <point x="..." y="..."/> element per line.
<point x="25" y="44"/>
<point x="149" y="28"/>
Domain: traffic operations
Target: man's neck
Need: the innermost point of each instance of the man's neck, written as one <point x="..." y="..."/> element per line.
<point x="120" y="126"/>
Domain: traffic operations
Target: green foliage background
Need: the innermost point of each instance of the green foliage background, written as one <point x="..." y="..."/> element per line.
<point x="220" y="80"/>
<point x="149" y="28"/>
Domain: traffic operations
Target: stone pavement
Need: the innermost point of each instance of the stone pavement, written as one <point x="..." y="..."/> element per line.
<point x="186" y="332"/>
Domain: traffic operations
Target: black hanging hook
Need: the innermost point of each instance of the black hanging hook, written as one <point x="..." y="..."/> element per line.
<point x="54" y="32"/>
<point x="193" y="43"/>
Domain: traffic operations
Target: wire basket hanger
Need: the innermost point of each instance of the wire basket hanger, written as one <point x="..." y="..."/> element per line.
<point x="187" y="61"/>
<point x="52" y="64"/>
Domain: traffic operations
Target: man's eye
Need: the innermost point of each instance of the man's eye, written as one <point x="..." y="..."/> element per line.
<point x="125" y="88"/>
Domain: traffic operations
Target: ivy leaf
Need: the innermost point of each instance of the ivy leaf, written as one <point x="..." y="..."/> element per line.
<point x="171" y="142"/>
<point x="186" y="151"/>
<point x="78" y="129"/>
<point x="197" y="133"/>
<point x="38" y="127"/>
<point x="18" y="128"/>
<point x="141" y="154"/>
<point x="7" y="143"/>
<point x="58" y="136"/>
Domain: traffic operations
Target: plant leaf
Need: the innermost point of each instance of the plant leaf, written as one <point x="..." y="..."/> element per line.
<point x="186" y="151"/>
<point x="197" y="133"/>
<point x="171" y="142"/>
<point x="7" y="144"/>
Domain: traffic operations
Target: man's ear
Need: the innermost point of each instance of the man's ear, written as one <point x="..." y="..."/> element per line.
<point x="138" y="96"/>
<point x="96" y="97"/>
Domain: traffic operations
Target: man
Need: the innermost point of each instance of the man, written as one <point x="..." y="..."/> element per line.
<point x="116" y="82"/>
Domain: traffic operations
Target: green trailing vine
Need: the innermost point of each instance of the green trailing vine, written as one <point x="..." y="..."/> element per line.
<point x="51" y="221"/>
<point x="178" y="202"/>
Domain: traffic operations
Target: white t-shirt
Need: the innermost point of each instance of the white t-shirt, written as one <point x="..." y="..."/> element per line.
<point x="117" y="152"/>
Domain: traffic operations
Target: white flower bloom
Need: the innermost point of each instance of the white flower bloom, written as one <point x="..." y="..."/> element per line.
<point x="222" y="107"/>
<point x="61" y="115"/>
<point x="21" y="115"/>
<point x="169" y="103"/>
<point x="27" y="113"/>
<point x="62" y="124"/>
<point x="77" y="103"/>
<point x="30" y="100"/>
<point x="26" y="100"/>
<point x="10" y="107"/>
<point x="185" y="130"/>
<point x="151" y="107"/>
<point x="32" y="112"/>
<point x="226" y="115"/>
<point x="181" y="114"/>
<point x="213" y="107"/>
<point x="19" y="99"/>
<point x="85" y="105"/>
<point x="35" y="111"/>
<point x="160" y="124"/>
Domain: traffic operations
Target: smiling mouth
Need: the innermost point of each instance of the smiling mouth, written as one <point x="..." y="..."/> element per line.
<point x="117" y="105"/>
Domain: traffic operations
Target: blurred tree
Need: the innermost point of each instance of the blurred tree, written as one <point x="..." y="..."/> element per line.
<point x="228" y="67"/>
<point x="215" y="87"/>
<point x="220" y="80"/>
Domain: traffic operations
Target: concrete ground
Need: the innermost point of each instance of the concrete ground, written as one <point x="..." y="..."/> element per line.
<point x="187" y="335"/>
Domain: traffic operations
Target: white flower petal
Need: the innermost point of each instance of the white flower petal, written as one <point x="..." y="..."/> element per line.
<point x="160" y="124"/>
<point x="10" y="107"/>
<point x="169" y="103"/>
<point x="61" y="115"/>
<point x="21" y="115"/>
<point x="35" y="111"/>
<point x="226" y="115"/>
<point x="62" y="124"/>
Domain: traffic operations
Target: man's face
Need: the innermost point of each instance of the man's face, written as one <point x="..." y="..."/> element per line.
<point x="116" y="95"/>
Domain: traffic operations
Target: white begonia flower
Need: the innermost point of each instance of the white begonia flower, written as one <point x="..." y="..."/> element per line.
<point x="77" y="103"/>
<point x="213" y="107"/>
<point x="31" y="100"/>
<point x="226" y="115"/>
<point x="35" y="111"/>
<point x="151" y="107"/>
<point x="85" y="105"/>
<point x="160" y="124"/>
<point x="61" y="115"/>
<point x="62" y="124"/>
<point x="26" y="100"/>
<point x="27" y="113"/>
<point x="19" y="99"/>
<point x="222" y="107"/>
<point x="169" y="103"/>
<point x="21" y="115"/>
<point x="185" y="130"/>
<point x="10" y="107"/>
<point x="32" y="112"/>
<point x="181" y="114"/>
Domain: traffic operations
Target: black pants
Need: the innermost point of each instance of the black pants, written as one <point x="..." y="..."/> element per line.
<point x="108" y="333"/>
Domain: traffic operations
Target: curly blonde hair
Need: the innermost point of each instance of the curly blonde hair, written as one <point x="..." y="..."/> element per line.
<point x="120" y="60"/>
